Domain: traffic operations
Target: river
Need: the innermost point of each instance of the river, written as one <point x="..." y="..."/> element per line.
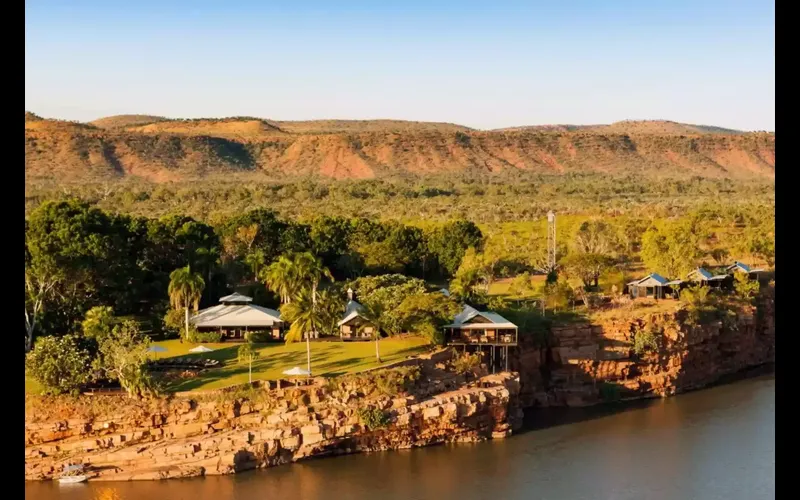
<point x="717" y="443"/>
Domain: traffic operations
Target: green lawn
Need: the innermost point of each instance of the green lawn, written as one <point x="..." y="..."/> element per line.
<point x="327" y="358"/>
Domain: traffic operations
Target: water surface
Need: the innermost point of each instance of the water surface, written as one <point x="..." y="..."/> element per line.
<point x="717" y="443"/>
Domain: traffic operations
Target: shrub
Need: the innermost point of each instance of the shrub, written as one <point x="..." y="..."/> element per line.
<point x="257" y="337"/>
<point x="98" y="322"/>
<point x="373" y="418"/>
<point x="645" y="341"/>
<point x="463" y="363"/>
<point x="197" y="337"/>
<point x="745" y="287"/>
<point x="174" y="322"/>
<point x="124" y="356"/>
<point x="59" y="364"/>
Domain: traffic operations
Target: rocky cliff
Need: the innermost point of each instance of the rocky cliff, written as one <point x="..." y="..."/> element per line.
<point x="224" y="433"/>
<point x="595" y="362"/>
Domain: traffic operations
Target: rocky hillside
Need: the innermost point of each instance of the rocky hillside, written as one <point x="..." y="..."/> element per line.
<point x="160" y="149"/>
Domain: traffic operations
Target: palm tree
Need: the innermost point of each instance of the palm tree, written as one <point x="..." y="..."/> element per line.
<point x="281" y="277"/>
<point x="330" y="306"/>
<point x="310" y="270"/>
<point x="185" y="288"/>
<point x="304" y="317"/>
<point x="373" y="315"/>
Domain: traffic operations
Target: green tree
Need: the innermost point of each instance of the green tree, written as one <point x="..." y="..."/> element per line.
<point x="720" y="255"/>
<point x="745" y="287"/>
<point x="41" y="280"/>
<point x="247" y="353"/>
<point x="521" y="284"/>
<point x="185" y="289"/>
<point x="98" y="323"/>
<point x="59" y="364"/>
<point x="123" y="357"/>
<point x="470" y="283"/>
<point x="427" y="313"/>
<point x="697" y="301"/>
<point x="449" y="242"/>
<point x="587" y="266"/>
<point x="674" y="249"/>
<point x="596" y="237"/>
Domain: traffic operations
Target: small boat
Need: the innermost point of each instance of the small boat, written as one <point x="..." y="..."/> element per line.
<point x="72" y="479"/>
<point x="73" y="474"/>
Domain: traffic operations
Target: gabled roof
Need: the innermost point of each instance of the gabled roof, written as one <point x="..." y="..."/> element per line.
<point x="351" y="311"/>
<point x="657" y="278"/>
<point x="468" y="313"/>
<point x="235" y="298"/>
<point x="445" y="292"/>
<point x="700" y="273"/>
<point x="740" y="266"/>
<point x="236" y="315"/>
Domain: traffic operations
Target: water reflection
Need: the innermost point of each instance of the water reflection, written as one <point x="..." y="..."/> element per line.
<point x="717" y="443"/>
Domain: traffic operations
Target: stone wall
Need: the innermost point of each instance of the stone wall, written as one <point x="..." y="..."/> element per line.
<point x="585" y="360"/>
<point x="124" y="439"/>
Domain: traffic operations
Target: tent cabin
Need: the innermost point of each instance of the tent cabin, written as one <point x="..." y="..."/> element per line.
<point x="706" y="278"/>
<point x="235" y="316"/>
<point x="653" y="285"/>
<point x="353" y="326"/>
<point x="471" y="326"/>
<point x="739" y="267"/>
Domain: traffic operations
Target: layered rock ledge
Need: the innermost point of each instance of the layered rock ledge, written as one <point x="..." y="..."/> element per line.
<point x="186" y="437"/>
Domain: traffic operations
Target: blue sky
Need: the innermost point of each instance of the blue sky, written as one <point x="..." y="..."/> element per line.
<point x="480" y="64"/>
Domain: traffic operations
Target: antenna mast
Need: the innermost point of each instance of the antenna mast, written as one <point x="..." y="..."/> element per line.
<point x="551" y="241"/>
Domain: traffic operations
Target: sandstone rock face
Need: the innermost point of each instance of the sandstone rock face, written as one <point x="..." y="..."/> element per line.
<point x="584" y="358"/>
<point x="182" y="437"/>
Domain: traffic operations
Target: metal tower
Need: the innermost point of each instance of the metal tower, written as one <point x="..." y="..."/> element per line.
<point x="551" y="241"/>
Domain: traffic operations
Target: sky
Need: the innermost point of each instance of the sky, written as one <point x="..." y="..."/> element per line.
<point x="476" y="63"/>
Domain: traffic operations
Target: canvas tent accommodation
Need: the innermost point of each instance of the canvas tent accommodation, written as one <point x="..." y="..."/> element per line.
<point x="353" y="326"/>
<point x="235" y="316"/>
<point x="739" y="267"/>
<point x="654" y="286"/>
<point x="471" y="326"/>
<point x="706" y="278"/>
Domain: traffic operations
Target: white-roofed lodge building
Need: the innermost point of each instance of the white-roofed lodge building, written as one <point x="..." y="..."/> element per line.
<point x="235" y="316"/>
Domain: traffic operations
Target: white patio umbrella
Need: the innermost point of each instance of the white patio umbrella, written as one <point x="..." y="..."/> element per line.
<point x="201" y="348"/>
<point x="297" y="371"/>
<point x="156" y="349"/>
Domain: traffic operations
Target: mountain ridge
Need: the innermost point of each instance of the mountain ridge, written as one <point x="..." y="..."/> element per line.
<point x="160" y="149"/>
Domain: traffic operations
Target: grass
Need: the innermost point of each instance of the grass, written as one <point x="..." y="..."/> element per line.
<point x="327" y="358"/>
<point x="32" y="386"/>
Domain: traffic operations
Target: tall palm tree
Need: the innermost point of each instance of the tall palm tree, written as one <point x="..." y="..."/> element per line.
<point x="310" y="270"/>
<point x="304" y="317"/>
<point x="281" y="276"/>
<point x="330" y="306"/>
<point x="185" y="290"/>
